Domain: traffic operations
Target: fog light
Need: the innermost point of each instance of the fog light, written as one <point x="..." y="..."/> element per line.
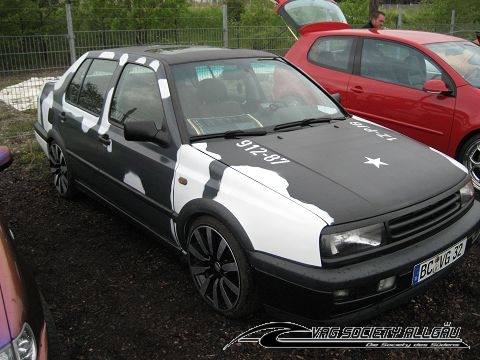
<point x="341" y="294"/>
<point x="386" y="284"/>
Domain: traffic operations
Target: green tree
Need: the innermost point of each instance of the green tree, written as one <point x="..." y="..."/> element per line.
<point x="372" y="8"/>
<point x="28" y="17"/>
<point x="440" y="11"/>
<point x="356" y="11"/>
<point x="235" y="9"/>
<point x="260" y="12"/>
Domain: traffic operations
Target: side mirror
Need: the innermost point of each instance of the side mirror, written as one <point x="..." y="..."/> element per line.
<point x="436" y="86"/>
<point x="135" y="130"/>
<point x="5" y="158"/>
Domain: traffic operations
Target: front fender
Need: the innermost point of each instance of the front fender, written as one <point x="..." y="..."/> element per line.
<point x="198" y="207"/>
<point x="265" y="219"/>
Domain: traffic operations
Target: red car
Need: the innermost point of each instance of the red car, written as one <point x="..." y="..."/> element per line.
<point x="424" y="85"/>
<point x="23" y="330"/>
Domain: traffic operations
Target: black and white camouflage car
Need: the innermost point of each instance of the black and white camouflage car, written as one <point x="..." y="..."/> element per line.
<point x="274" y="193"/>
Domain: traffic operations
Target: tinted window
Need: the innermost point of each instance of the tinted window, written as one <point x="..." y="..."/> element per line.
<point x="396" y="63"/>
<point x="137" y="96"/>
<point x="73" y="90"/>
<point x="332" y="52"/>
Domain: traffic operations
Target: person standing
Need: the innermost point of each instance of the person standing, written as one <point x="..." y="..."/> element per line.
<point x="376" y="21"/>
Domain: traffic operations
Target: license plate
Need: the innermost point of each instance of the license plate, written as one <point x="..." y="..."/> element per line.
<point x="438" y="262"/>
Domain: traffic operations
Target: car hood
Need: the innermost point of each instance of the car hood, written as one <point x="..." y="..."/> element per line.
<point x="351" y="169"/>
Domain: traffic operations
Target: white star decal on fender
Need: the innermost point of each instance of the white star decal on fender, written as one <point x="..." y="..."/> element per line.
<point x="376" y="162"/>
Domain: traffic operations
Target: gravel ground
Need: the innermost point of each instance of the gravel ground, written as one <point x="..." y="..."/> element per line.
<point x="116" y="294"/>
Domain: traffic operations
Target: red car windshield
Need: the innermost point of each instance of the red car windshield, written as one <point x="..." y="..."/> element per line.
<point x="462" y="56"/>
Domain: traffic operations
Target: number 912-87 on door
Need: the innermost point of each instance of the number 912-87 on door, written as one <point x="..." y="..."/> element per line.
<point x="438" y="262"/>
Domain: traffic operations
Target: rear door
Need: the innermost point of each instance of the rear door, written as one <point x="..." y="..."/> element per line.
<point x="77" y="120"/>
<point x="387" y="89"/>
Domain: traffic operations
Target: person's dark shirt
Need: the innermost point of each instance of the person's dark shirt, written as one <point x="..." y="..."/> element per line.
<point x="368" y="26"/>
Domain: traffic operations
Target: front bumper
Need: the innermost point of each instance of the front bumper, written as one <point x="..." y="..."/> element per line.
<point x="305" y="294"/>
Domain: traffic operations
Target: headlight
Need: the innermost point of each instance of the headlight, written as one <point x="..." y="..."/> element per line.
<point x="467" y="192"/>
<point x="351" y="242"/>
<point x="23" y="346"/>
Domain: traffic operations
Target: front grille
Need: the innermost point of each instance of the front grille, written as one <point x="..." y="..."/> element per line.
<point x="427" y="220"/>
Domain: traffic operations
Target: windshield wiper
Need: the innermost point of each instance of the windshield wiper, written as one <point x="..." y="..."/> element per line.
<point x="304" y="122"/>
<point x="230" y="134"/>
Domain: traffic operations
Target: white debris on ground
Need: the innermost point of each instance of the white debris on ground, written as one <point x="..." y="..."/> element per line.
<point x="23" y="96"/>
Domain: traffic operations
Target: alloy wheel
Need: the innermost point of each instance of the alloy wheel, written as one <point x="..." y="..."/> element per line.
<point x="58" y="167"/>
<point x="214" y="268"/>
<point x="471" y="160"/>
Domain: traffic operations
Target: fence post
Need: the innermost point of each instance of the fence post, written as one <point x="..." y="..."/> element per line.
<point x="70" y="35"/>
<point x="400" y="18"/>
<point x="225" y="25"/>
<point x="452" y="23"/>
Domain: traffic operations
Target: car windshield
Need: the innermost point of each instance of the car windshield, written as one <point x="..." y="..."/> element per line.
<point x="462" y="56"/>
<point x="248" y="94"/>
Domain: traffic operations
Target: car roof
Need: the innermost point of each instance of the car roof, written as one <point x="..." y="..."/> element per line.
<point x="414" y="36"/>
<point x="173" y="54"/>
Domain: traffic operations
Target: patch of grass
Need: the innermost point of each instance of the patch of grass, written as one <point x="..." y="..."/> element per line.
<point x="16" y="132"/>
<point x="16" y="128"/>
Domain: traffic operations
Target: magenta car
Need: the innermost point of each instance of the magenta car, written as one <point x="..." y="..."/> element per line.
<point x="23" y="331"/>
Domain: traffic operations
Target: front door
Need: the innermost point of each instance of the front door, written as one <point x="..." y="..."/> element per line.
<point x="388" y="90"/>
<point x="137" y="176"/>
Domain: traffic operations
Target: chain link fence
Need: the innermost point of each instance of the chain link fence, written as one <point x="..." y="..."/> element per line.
<point x="26" y="62"/>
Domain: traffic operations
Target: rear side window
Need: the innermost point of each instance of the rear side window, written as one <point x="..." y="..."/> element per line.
<point x="332" y="52"/>
<point x="89" y="85"/>
<point x="73" y="90"/>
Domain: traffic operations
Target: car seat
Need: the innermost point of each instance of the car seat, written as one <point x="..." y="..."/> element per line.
<point x="214" y="100"/>
<point x="416" y="71"/>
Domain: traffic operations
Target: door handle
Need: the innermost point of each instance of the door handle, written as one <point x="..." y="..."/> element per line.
<point x="104" y="139"/>
<point x="357" y="89"/>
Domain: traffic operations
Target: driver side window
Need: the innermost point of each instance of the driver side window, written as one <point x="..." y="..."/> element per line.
<point x="137" y="97"/>
<point x="396" y="63"/>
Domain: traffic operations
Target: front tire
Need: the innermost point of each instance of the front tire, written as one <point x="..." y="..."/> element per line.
<point x="219" y="268"/>
<point x="469" y="156"/>
<point x="62" y="177"/>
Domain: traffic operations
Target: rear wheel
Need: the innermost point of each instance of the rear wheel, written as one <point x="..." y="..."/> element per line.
<point x="62" y="177"/>
<point x="220" y="269"/>
<point x="469" y="156"/>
